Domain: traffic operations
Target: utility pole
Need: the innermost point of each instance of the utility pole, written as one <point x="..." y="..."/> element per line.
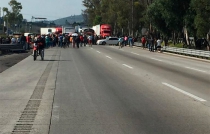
<point x="7" y="26"/>
<point x="2" y="21"/>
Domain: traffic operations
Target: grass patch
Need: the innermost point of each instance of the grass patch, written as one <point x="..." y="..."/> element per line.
<point x="179" y="45"/>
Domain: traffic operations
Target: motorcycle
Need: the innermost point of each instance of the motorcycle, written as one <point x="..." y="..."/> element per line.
<point x="35" y="50"/>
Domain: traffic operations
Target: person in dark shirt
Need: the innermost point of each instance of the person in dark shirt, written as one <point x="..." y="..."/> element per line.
<point x="0" y="40"/>
<point x="23" y="42"/>
<point x="77" y="41"/>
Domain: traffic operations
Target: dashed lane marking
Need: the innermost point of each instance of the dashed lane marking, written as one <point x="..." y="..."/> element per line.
<point x="184" y="92"/>
<point x="195" y="69"/>
<point x="98" y="52"/>
<point x="109" y="57"/>
<point x="127" y="66"/>
<point x="156" y="59"/>
<point x="135" y="53"/>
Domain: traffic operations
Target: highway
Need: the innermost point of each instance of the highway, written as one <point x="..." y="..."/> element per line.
<point x="106" y="90"/>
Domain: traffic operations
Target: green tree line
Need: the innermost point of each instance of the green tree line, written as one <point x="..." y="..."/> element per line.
<point x="166" y="17"/>
<point x="13" y="16"/>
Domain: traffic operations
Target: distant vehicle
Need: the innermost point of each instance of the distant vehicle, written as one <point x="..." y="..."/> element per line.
<point x="82" y="28"/>
<point x="68" y="30"/>
<point x="27" y="34"/>
<point x="64" y="30"/>
<point x="58" y="30"/>
<point x="45" y="31"/>
<point x="88" y="31"/>
<point x="103" y="30"/>
<point x="109" y="41"/>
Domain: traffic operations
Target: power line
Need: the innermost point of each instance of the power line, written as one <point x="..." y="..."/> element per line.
<point x="40" y="15"/>
<point x="44" y="15"/>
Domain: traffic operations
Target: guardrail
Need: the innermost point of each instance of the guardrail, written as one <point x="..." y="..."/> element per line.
<point x="185" y="51"/>
<point x="11" y="47"/>
<point x="138" y="44"/>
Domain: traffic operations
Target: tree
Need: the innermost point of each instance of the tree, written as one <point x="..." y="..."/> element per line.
<point x="168" y="16"/>
<point x="202" y="17"/>
<point x="92" y="9"/>
<point x="97" y="20"/>
<point x="14" y="16"/>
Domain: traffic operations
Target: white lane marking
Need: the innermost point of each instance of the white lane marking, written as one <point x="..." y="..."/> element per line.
<point x="56" y="115"/>
<point x="91" y="48"/>
<point x="134" y="53"/>
<point x="156" y="59"/>
<point x="128" y="66"/>
<point x="108" y="57"/>
<point x="184" y="92"/>
<point x="195" y="69"/>
<point x="98" y="52"/>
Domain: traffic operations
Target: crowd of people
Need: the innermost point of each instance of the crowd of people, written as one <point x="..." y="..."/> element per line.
<point x="79" y="40"/>
<point x="52" y="40"/>
<point x="152" y="44"/>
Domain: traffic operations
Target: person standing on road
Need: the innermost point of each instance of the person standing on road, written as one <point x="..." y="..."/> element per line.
<point x="60" y="40"/>
<point x="73" y="41"/>
<point x="85" y="40"/>
<point x="0" y="40"/>
<point x="23" y="42"/>
<point x="125" y="40"/>
<point x="47" y="40"/>
<point x="143" y="41"/>
<point x="90" y="40"/>
<point x="151" y="42"/>
<point x="81" y="40"/>
<point x="121" y="39"/>
<point x="28" y="40"/>
<point x="13" y="40"/>
<point x="93" y="39"/>
<point x="77" y="41"/>
<point x="56" y="40"/>
<point x="159" y="41"/>
<point x="130" y="40"/>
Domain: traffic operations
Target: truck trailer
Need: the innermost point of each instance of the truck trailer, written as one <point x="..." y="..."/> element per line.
<point x="102" y="30"/>
<point x="45" y="31"/>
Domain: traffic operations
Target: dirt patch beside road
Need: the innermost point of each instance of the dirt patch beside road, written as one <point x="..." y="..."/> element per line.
<point x="9" y="60"/>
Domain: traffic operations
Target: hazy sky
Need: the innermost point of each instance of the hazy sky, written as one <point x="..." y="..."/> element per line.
<point x="50" y="9"/>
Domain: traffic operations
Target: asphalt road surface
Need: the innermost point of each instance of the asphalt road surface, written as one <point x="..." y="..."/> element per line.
<point x="106" y="90"/>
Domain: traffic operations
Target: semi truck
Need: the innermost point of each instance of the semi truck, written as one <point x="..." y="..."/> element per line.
<point x="102" y="30"/>
<point x="68" y="30"/>
<point x="64" y="30"/>
<point x="45" y="31"/>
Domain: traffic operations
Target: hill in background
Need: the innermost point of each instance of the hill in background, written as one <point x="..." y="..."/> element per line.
<point x="69" y="20"/>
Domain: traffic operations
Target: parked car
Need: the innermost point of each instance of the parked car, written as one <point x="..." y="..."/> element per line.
<point x="109" y="41"/>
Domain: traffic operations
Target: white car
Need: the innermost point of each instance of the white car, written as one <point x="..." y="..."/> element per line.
<point x="109" y="41"/>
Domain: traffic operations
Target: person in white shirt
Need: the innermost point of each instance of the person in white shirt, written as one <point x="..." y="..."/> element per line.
<point x="13" y="40"/>
<point x="159" y="41"/>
